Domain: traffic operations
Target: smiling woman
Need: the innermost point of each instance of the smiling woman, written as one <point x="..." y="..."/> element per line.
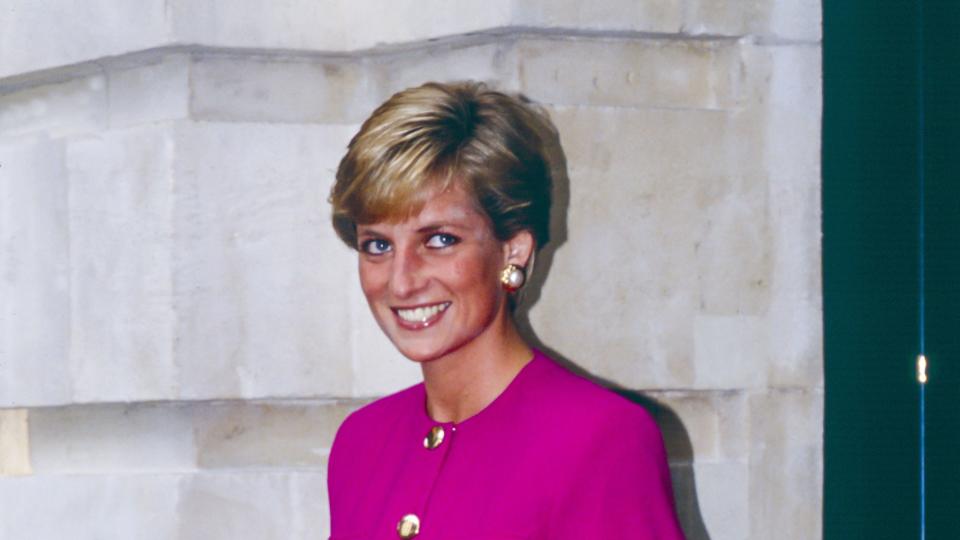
<point x="438" y="270"/>
<point x="445" y="194"/>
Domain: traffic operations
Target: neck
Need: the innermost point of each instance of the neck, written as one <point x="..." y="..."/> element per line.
<point x="464" y="382"/>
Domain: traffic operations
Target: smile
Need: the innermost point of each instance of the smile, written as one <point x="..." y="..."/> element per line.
<point x="421" y="316"/>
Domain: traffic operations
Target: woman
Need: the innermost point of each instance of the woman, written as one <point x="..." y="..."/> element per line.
<point x="445" y="194"/>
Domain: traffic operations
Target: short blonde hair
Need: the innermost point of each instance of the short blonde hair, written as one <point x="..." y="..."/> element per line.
<point x="436" y="134"/>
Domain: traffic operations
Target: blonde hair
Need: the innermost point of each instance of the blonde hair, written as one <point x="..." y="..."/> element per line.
<point x="436" y="134"/>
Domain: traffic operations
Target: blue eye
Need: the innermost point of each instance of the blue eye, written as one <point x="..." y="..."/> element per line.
<point x="375" y="246"/>
<point x="442" y="240"/>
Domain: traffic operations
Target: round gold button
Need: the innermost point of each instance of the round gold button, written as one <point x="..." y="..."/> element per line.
<point x="409" y="526"/>
<point x="434" y="437"/>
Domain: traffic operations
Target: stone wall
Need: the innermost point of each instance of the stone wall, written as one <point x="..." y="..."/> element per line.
<point x="181" y="332"/>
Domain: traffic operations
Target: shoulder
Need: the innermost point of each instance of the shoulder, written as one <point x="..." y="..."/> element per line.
<point x="375" y="417"/>
<point x="593" y="409"/>
<point x="611" y="469"/>
<point x="362" y="438"/>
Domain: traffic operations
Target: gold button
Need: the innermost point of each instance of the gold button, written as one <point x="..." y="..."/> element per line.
<point x="409" y="526"/>
<point x="434" y="438"/>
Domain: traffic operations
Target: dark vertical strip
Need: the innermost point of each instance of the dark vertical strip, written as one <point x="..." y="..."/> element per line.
<point x="942" y="186"/>
<point x="921" y="272"/>
<point x="870" y="246"/>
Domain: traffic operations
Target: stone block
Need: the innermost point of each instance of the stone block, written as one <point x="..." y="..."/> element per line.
<point x="148" y="88"/>
<point x="232" y="435"/>
<point x="89" y="507"/>
<point x="281" y="89"/>
<point x="712" y="499"/>
<point x="653" y="16"/>
<point x="794" y="20"/>
<point x="311" y="506"/>
<point x="723" y="17"/>
<point x="792" y="152"/>
<point x="261" y="280"/>
<point x="155" y="91"/>
<point x="102" y="28"/>
<point x="73" y="106"/>
<point x="212" y="506"/>
<point x="796" y="329"/>
<point x="14" y="442"/>
<point x="786" y="465"/>
<point x="121" y="321"/>
<point x="112" y="438"/>
<point x="241" y="506"/>
<point x="653" y="151"/>
<point x="723" y="495"/>
<point x="165" y="437"/>
<point x="34" y="274"/>
<point x="41" y="35"/>
<point x="734" y="246"/>
<point x="331" y="26"/>
<point x="661" y="73"/>
<point x="730" y="352"/>
<point x="704" y="427"/>
<point x="797" y="20"/>
<point x="639" y="180"/>
<point x="492" y="62"/>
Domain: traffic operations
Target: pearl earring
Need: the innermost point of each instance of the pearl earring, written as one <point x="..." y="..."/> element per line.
<point x="512" y="277"/>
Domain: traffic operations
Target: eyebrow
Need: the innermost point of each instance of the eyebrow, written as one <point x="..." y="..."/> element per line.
<point x="433" y="227"/>
<point x="366" y="230"/>
<point x="430" y="227"/>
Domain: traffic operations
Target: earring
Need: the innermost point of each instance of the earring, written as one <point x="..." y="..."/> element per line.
<point x="512" y="277"/>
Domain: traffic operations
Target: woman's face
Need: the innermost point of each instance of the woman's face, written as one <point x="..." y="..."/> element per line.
<point x="432" y="281"/>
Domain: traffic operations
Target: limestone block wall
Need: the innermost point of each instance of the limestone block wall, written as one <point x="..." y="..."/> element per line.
<point x="181" y="332"/>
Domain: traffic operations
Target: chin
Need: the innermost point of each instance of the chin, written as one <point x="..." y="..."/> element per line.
<point x="421" y="353"/>
<point x="426" y="350"/>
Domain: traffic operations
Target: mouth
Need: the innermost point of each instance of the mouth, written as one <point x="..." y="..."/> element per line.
<point x="417" y="317"/>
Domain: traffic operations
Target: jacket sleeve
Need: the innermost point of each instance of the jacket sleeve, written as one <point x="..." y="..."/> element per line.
<point x="619" y="488"/>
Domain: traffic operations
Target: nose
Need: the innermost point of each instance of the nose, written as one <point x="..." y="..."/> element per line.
<point x="407" y="273"/>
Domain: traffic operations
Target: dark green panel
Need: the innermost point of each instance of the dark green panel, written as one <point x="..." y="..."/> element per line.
<point x="870" y="256"/>
<point x="942" y="84"/>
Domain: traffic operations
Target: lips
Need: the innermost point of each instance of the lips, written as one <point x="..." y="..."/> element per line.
<point x="422" y="316"/>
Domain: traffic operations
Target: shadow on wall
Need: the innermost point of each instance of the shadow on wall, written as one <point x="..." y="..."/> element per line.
<point x="676" y="438"/>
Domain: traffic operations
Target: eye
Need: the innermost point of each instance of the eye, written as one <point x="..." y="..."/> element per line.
<point x="375" y="246"/>
<point x="442" y="240"/>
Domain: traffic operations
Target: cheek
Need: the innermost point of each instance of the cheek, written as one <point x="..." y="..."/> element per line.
<point x="372" y="279"/>
<point x="477" y="274"/>
<point x="462" y="271"/>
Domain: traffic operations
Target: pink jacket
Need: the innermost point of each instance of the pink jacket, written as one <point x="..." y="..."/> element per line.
<point x="555" y="457"/>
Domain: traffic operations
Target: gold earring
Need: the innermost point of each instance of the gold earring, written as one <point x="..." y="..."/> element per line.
<point x="512" y="277"/>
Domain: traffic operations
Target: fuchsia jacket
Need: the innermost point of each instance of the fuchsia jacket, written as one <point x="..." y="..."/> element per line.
<point x="553" y="457"/>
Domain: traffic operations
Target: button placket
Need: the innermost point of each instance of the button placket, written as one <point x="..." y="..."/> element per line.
<point x="436" y="443"/>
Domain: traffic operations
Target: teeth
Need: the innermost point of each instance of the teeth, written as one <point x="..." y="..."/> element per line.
<point x="422" y="314"/>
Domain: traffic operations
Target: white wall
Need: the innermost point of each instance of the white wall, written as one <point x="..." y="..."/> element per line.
<point x="181" y="332"/>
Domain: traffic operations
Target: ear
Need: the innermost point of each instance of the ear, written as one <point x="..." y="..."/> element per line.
<point x="518" y="249"/>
